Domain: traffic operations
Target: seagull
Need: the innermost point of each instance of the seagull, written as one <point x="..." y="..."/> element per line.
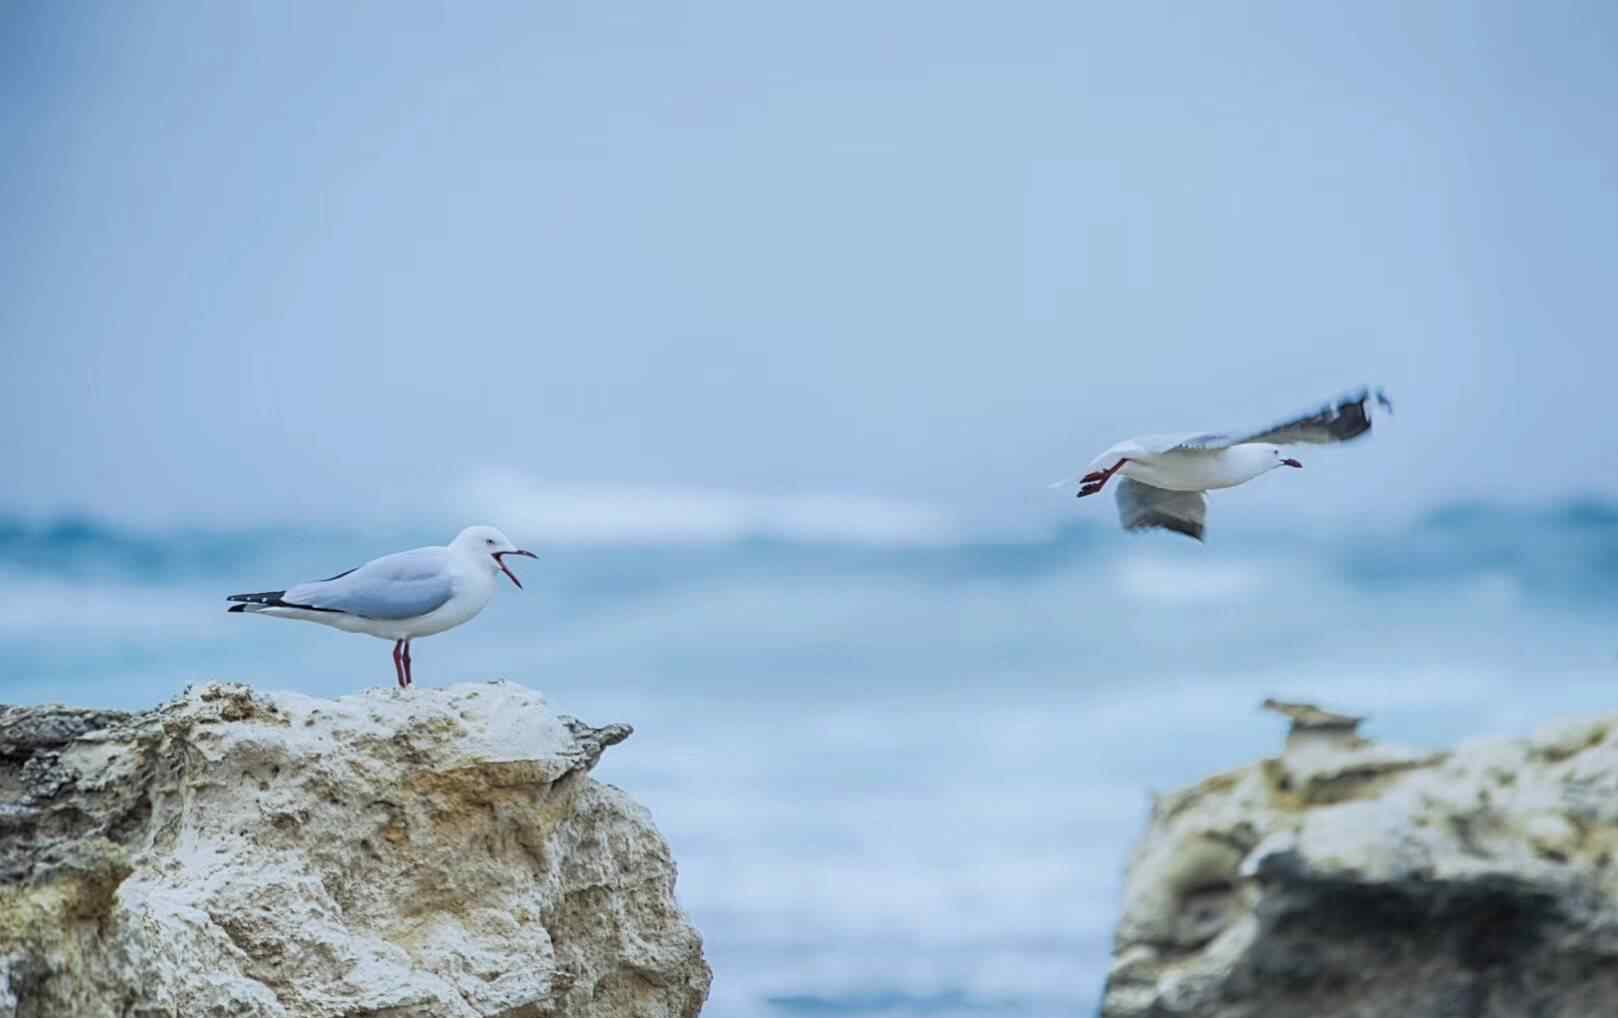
<point x="401" y="596"/>
<point x="1165" y="476"/>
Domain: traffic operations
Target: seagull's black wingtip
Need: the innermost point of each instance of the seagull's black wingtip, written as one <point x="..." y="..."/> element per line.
<point x="268" y="598"/>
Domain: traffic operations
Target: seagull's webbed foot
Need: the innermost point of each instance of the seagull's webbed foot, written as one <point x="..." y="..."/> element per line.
<point x="1090" y="488"/>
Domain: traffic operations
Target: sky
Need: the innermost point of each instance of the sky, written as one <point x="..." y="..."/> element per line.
<point x="883" y="268"/>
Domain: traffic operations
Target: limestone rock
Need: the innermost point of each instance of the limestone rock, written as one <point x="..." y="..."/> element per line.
<point x="426" y="854"/>
<point x="1345" y="878"/>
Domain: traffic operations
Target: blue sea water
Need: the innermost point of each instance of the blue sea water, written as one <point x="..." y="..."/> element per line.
<point x="899" y="781"/>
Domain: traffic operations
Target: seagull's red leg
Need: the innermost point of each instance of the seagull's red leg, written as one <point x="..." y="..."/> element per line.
<point x="1095" y="480"/>
<point x="398" y="662"/>
<point x="409" y="679"/>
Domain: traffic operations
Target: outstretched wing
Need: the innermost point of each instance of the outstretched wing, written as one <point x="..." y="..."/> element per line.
<point x="1204" y="442"/>
<point x="1337" y="421"/>
<point x="1143" y="507"/>
<point x="400" y="586"/>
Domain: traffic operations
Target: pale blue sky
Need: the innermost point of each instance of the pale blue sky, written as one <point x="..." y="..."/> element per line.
<point x="272" y="260"/>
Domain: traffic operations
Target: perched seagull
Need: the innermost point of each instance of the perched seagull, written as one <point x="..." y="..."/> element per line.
<point x="1165" y="475"/>
<point x="401" y="596"/>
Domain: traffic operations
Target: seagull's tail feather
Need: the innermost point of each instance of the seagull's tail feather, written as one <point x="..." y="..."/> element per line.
<point x="257" y="602"/>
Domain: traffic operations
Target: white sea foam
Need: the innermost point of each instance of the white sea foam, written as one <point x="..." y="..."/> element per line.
<point x="625" y="514"/>
<point x="35" y="605"/>
<point x="1147" y="577"/>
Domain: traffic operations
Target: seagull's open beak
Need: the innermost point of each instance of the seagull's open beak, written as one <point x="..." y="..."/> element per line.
<point x="1292" y="463"/>
<point x="508" y="572"/>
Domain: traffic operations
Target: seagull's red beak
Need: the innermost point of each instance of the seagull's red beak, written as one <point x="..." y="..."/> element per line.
<point x="496" y="555"/>
<point x="1292" y="463"/>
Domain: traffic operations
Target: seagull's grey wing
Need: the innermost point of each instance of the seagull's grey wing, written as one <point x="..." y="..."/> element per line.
<point x="400" y="586"/>
<point x="1143" y="507"/>
<point x="1209" y="440"/>
<point x="1338" y="421"/>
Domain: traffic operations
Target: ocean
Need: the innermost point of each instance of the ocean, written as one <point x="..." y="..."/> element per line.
<point x="899" y="780"/>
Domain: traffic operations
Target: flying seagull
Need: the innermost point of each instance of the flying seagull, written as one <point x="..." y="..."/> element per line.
<point x="401" y="596"/>
<point x="1165" y="475"/>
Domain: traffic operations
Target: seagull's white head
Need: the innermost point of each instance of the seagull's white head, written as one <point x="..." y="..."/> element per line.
<point x="486" y="545"/>
<point x="1279" y="458"/>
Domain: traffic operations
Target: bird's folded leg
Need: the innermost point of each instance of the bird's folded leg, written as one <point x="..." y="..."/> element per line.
<point x="1095" y="480"/>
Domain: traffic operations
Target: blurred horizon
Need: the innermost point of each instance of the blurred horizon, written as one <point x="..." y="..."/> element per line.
<point x="580" y="518"/>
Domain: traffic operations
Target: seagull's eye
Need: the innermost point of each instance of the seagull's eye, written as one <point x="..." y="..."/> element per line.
<point x="488" y="540"/>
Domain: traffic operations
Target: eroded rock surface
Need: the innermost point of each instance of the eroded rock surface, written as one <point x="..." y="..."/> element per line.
<point x="1345" y="878"/>
<point x="428" y="854"/>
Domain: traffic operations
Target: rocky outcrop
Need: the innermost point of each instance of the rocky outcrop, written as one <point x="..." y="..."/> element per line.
<point x="419" y="854"/>
<point x="1346" y="878"/>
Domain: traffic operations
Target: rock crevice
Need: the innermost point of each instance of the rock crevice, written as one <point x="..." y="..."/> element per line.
<point x="434" y="853"/>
